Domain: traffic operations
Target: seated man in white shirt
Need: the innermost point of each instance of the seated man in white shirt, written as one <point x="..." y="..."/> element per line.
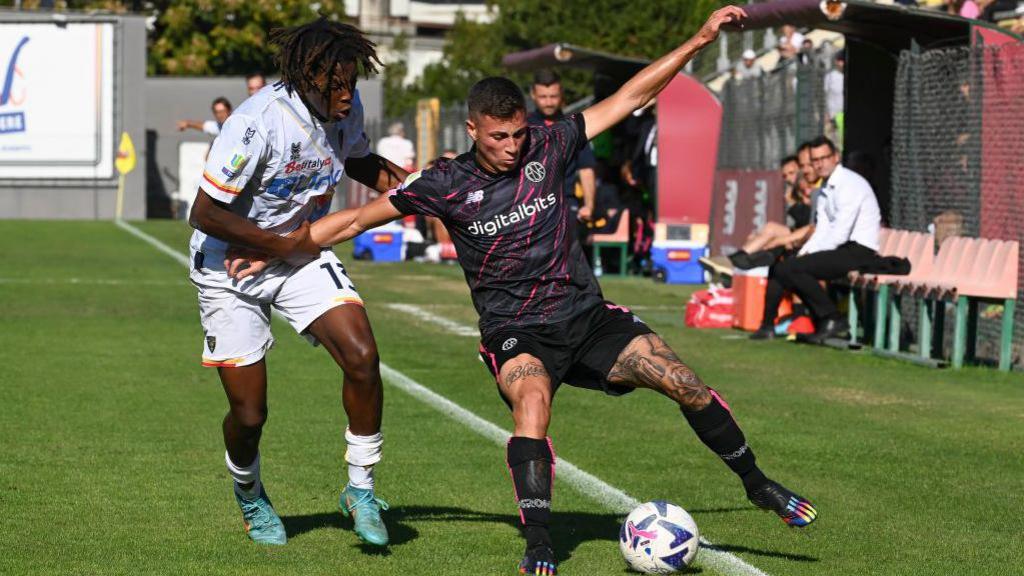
<point x="845" y="238"/>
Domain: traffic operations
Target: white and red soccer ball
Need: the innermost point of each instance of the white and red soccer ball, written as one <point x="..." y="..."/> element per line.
<point x="658" y="538"/>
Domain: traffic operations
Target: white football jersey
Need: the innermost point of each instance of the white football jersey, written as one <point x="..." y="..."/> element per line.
<point x="276" y="165"/>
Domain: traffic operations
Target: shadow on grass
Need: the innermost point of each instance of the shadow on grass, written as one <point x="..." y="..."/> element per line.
<point x="569" y="529"/>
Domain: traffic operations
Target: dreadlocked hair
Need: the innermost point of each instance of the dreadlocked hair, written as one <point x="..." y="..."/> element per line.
<point x="308" y="50"/>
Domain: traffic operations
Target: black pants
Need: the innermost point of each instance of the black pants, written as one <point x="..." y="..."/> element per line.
<point x="801" y="275"/>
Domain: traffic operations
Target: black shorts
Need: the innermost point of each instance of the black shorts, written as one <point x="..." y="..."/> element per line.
<point x="579" y="351"/>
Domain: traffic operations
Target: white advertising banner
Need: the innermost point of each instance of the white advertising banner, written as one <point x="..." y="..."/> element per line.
<point x="56" y="100"/>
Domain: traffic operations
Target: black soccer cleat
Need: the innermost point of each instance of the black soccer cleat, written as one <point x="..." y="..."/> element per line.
<point x="793" y="509"/>
<point x="538" y="560"/>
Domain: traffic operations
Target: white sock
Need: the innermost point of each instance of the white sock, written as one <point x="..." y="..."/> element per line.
<point x="245" y="475"/>
<point x="363" y="452"/>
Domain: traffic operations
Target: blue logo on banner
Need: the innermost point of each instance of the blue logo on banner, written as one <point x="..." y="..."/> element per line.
<point x="12" y="122"/>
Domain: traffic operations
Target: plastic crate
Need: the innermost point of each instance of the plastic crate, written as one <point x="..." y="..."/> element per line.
<point x="676" y="261"/>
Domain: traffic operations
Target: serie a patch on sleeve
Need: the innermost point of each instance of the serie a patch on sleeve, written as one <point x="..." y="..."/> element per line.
<point x="239" y="158"/>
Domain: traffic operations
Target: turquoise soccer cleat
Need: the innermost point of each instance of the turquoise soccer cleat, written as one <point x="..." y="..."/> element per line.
<point x="365" y="508"/>
<point x="262" y="524"/>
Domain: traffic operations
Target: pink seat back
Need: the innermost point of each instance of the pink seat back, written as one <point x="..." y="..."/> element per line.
<point x="995" y="276"/>
<point x="886" y="237"/>
<point x="621" y="233"/>
<point x="922" y="255"/>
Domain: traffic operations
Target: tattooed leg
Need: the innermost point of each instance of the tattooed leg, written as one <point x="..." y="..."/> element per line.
<point x="529" y="455"/>
<point x="525" y="382"/>
<point x="647" y="362"/>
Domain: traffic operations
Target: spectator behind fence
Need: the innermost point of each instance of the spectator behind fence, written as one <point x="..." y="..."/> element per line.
<point x="749" y="68"/>
<point x="397" y="148"/>
<point x="989" y="8"/>
<point x="845" y="238"/>
<point x="790" y="42"/>
<point x="221" y="110"/>
<point x="834" y="104"/>
<point x="766" y="244"/>
<point x="963" y="8"/>
<point x="254" y="82"/>
<point x="806" y="54"/>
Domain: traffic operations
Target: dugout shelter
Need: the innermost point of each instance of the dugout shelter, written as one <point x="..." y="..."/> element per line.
<point x="875" y="35"/>
<point x="735" y="199"/>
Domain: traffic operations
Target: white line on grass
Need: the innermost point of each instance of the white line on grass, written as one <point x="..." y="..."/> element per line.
<point x="449" y="326"/>
<point x="587" y="484"/>
<point x="92" y="281"/>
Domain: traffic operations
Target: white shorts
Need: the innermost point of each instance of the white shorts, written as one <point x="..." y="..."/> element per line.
<point x="236" y="314"/>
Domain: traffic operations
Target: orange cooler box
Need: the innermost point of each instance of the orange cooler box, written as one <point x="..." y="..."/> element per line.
<point x="748" y="288"/>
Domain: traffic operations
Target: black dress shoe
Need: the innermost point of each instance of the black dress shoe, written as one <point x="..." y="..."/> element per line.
<point x="741" y="260"/>
<point x="764" y="257"/>
<point x="832" y="328"/>
<point x="764" y="333"/>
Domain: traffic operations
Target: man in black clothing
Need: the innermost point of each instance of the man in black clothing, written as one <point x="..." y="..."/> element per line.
<point x="548" y="98"/>
<point x="543" y="319"/>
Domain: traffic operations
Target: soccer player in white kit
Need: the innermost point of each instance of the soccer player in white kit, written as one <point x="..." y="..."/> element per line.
<point x="272" y="170"/>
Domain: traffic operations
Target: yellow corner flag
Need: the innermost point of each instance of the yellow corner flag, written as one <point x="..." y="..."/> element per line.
<point x="125" y="160"/>
<point x="125" y="163"/>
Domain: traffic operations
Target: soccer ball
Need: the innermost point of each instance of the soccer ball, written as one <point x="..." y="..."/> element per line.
<point x="658" y="538"/>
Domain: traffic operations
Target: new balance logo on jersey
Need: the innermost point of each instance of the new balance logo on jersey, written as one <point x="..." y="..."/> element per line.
<point x="475" y="196"/>
<point x="312" y="165"/>
<point x="521" y="212"/>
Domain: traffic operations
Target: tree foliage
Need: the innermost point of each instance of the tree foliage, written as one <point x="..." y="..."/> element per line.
<point x="202" y="37"/>
<point x="214" y="37"/>
<point x="636" y="29"/>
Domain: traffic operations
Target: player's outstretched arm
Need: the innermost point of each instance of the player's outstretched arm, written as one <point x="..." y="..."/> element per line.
<point x="343" y="225"/>
<point x="332" y="229"/>
<point x="213" y="218"/>
<point x="647" y="83"/>
<point x="375" y="172"/>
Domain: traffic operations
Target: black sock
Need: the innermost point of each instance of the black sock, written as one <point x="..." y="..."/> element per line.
<point x="718" y="430"/>
<point x="532" y="464"/>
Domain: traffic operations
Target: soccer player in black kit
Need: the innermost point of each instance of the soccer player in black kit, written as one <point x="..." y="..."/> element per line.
<point x="543" y="320"/>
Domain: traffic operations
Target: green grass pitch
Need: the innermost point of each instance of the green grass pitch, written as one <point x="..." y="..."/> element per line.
<point x="111" y="459"/>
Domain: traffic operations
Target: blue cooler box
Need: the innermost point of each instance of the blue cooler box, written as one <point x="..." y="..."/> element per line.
<point x="382" y="244"/>
<point x="677" y="261"/>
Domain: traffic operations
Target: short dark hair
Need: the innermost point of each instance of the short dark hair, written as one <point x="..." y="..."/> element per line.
<point x="317" y="47"/>
<point x="496" y="97"/>
<point x="252" y="75"/>
<point x="806" y="145"/>
<point x="823" y="141"/>
<point x="546" y="77"/>
<point x="788" y="159"/>
<point x="221" y="100"/>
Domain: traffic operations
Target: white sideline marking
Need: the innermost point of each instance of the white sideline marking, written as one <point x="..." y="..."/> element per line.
<point x="91" y="281"/>
<point x="449" y="326"/>
<point x="181" y="258"/>
<point x="585" y="483"/>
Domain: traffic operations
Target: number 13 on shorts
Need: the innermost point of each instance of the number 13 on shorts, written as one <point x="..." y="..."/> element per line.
<point x="340" y="279"/>
<point x="314" y="289"/>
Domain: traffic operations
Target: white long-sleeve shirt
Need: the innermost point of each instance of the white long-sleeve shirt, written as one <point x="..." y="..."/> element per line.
<point x="847" y="211"/>
<point x="834" y="93"/>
